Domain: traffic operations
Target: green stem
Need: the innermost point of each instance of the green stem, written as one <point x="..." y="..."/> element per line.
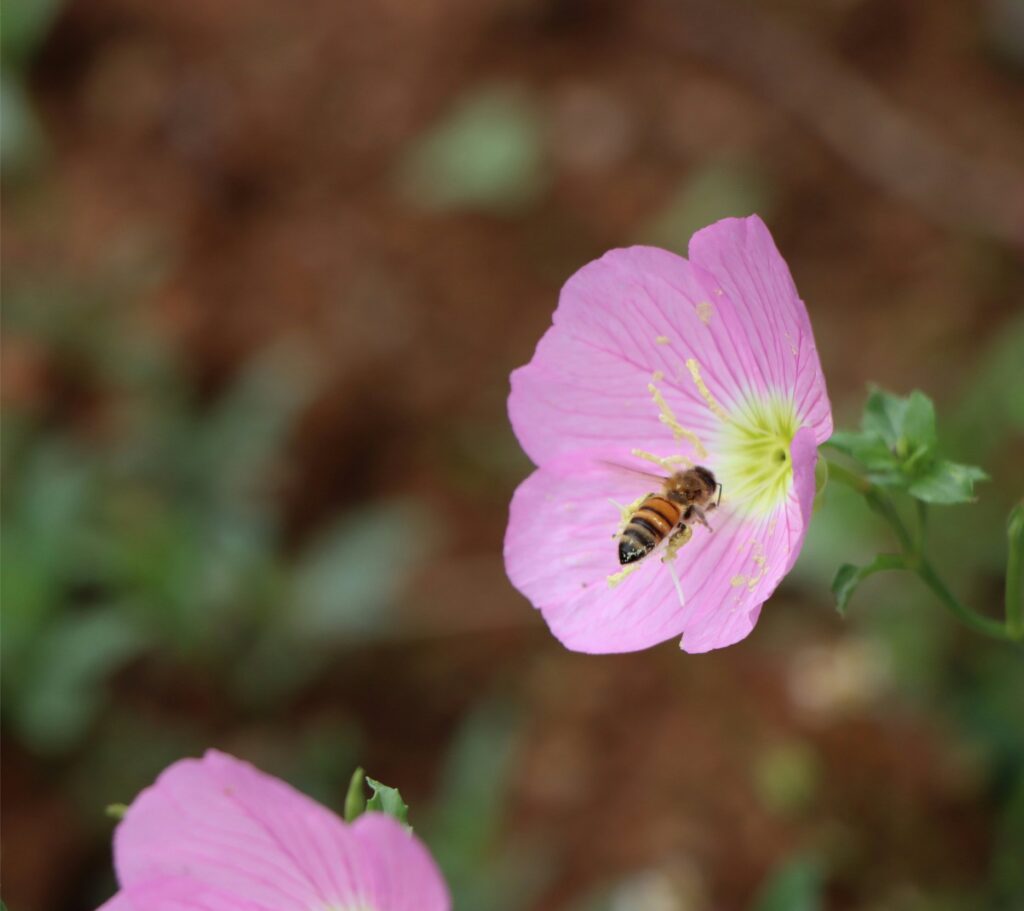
<point x="880" y="503"/>
<point x="843" y="475"/>
<point x="1015" y="574"/>
<point x="876" y="499"/>
<point x="913" y="559"/>
<point x="922" y="525"/>
<point x="926" y="572"/>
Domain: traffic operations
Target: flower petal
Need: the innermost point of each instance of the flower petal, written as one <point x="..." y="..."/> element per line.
<point x="178" y="894"/>
<point x="407" y="879"/>
<point x="222" y="823"/>
<point x="560" y="553"/>
<point x="767" y="314"/>
<point x="623" y="322"/>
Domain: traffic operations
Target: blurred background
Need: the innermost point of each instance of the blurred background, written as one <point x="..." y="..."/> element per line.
<point x="267" y="269"/>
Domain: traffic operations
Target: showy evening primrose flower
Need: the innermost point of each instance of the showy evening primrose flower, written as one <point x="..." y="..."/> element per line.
<point x="216" y="834"/>
<point x="658" y="364"/>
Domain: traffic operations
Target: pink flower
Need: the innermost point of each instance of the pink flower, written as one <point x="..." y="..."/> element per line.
<point x="216" y="834"/>
<point x="659" y="363"/>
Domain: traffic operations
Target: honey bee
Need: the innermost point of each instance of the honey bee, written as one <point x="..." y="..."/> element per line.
<point x="685" y="498"/>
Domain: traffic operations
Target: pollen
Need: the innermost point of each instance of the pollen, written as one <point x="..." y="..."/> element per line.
<point x="705" y="393"/>
<point x="668" y="418"/>
<point x="615" y="578"/>
<point x="704" y="311"/>
<point x="677" y="540"/>
<point x="663" y="340"/>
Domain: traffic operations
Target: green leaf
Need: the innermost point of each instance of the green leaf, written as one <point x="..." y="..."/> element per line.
<point x="388" y="800"/>
<point x="794" y="886"/>
<point x="898" y="447"/>
<point x="947" y="482"/>
<point x="355" y="799"/>
<point x="116" y="810"/>
<point x="486" y="153"/>
<point x="919" y="422"/>
<point x="884" y="414"/>
<point x="844" y="584"/>
<point x="848" y="577"/>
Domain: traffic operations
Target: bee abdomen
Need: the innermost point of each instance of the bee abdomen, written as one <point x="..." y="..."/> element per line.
<point x="648" y="526"/>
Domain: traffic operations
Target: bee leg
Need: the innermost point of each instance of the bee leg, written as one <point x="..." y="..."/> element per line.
<point x="695" y="512"/>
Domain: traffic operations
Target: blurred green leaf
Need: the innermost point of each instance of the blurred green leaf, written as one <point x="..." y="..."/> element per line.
<point x="710" y="192"/>
<point x="22" y="141"/>
<point x="63" y="690"/>
<point x="786" y="776"/>
<point x="794" y="886"/>
<point x="347" y="582"/>
<point x="116" y="810"/>
<point x="486" y="153"/>
<point x="463" y="831"/>
<point x="25" y="25"/>
<point x="387" y="800"/>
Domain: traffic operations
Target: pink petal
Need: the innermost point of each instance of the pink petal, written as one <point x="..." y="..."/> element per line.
<point x="641" y="313"/>
<point x="560" y="552"/>
<point x="221" y="822"/>
<point x="178" y="895"/>
<point x="407" y="879"/>
<point x="767" y="313"/>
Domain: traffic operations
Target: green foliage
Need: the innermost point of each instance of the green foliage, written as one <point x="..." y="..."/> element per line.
<point x="387" y="800"/>
<point x="116" y="811"/>
<point x="166" y="536"/>
<point x="463" y="832"/>
<point x="794" y="886"/>
<point x="848" y="577"/>
<point x="486" y="153"/>
<point x="383" y="800"/>
<point x="355" y="797"/>
<point x="899" y="448"/>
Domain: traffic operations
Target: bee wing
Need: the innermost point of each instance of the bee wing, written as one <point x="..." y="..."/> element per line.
<point x="633" y="472"/>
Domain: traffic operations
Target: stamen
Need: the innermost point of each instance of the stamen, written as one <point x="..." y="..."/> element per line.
<point x="626" y="513"/>
<point x="669" y="463"/>
<point x="669" y="419"/>
<point x="675" y="582"/>
<point x="702" y="388"/>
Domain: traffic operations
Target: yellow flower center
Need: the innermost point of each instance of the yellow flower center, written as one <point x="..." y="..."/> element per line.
<point x="754" y="464"/>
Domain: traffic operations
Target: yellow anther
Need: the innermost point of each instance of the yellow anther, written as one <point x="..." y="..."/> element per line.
<point x="705" y="393"/>
<point x="668" y="418"/>
<point x="669" y="463"/>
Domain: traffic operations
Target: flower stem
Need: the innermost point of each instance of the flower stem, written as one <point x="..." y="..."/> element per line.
<point x="926" y="572"/>
<point x="913" y="558"/>
<point x="843" y="475"/>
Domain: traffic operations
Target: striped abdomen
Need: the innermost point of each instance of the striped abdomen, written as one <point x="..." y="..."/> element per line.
<point x="647" y="527"/>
